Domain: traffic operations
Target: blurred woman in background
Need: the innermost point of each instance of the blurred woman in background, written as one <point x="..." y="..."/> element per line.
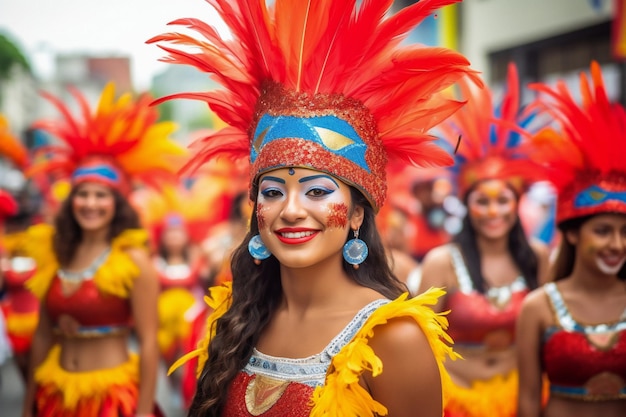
<point x="490" y="266"/>
<point x="94" y="278"/>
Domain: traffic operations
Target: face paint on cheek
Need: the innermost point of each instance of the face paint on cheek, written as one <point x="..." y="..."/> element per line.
<point x="477" y="211"/>
<point x="259" y="216"/>
<point x="337" y="215"/>
<point x="590" y="249"/>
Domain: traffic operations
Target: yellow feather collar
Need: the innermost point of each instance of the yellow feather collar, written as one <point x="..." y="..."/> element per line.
<point x="114" y="277"/>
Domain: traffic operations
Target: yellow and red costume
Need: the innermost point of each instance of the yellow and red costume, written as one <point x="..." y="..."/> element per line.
<point x="116" y="144"/>
<point x="181" y="293"/>
<point x="584" y="362"/>
<point x="492" y="142"/>
<point x="327" y="383"/>
<point x="323" y="85"/>
<point x="101" y="307"/>
<point x="19" y="306"/>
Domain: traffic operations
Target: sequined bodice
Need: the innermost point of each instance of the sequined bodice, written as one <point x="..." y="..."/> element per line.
<point x="586" y="362"/>
<point x="483" y="319"/>
<point x="274" y="386"/>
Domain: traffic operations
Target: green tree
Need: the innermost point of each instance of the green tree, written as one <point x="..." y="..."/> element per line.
<point x="10" y="55"/>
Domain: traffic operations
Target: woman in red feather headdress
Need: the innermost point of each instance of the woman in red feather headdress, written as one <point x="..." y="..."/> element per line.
<point x="94" y="276"/>
<point x="575" y="327"/>
<point x="490" y="265"/>
<point x="319" y="95"/>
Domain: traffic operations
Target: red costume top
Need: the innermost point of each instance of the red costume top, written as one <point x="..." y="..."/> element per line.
<point x="97" y="298"/>
<point x="586" y="362"/>
<point x="483" y="319"/>
<point x="177" y="276"/>
<point x="19" y="270"/>
<point x="88" y="306"/>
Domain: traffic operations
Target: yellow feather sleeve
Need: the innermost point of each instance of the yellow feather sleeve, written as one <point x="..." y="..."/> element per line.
<point x="342" y="395"/>
<point x="117" y="273"/>
<point x="219" y="301"/>
<point x="14" y="242"/>
<point x="39" y="247"/>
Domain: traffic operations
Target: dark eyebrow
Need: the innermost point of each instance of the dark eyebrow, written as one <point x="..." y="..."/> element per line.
<point x="270" y="178"/>
<point x="314" y="177"/>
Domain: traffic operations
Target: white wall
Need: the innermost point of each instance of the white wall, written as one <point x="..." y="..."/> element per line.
<point x="492" y="25"/>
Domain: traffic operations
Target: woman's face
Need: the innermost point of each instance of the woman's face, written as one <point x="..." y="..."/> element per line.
<point x="175" y="238"/>
<point x="492" y="207"/>
<point x="93" y="206"/>
<point x="601" y="243"/>
<point x="304" y="216"/>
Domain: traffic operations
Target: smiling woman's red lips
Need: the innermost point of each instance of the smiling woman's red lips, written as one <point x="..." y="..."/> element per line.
<point x="295" y="236"/>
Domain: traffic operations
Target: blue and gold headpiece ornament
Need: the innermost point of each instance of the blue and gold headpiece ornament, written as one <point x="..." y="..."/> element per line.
<point x="323" y="84"/>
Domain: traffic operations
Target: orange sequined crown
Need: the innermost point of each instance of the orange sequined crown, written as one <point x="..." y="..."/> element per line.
<point x="323" y="84"/>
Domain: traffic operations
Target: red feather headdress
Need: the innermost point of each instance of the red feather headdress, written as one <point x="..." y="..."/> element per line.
<point x="121" y="141"/>
<point x="586" y="156"/>
<point x="12" y="149"/>
<point x="493" y="138"/>
<point x="323" y="84"/>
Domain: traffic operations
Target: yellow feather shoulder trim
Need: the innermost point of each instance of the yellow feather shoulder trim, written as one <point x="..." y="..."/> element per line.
<point x="115" y="276"/>
<point x="219" y="301"/>
<point x="39" y="247"/>
<point x="341" y="394"/>
<point x="117" y="273"/>
<point x="14" y="242"/>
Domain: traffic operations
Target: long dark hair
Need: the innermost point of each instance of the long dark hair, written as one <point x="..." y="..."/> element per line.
<point x="256" y="295"/>
<point x="68" y="232"/>
<point x="523" y="255"/>
<point x="563" y="265"/>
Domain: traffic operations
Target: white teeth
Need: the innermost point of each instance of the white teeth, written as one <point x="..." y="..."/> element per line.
<point x="296" y="235"/>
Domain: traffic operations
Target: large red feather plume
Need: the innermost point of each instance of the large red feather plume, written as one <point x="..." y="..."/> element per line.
<point x="327" y="47"/>
<point x="492" y="138"/>
<point x="585" y="149"/>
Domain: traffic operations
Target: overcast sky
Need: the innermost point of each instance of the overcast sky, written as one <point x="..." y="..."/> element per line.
<point x="116" y="27"/>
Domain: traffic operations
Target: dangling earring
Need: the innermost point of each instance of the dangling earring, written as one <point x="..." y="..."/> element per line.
<point x="355" y="251"/>
<point x="258" y="250"/>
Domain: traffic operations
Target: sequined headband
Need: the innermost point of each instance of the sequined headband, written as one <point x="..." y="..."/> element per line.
<point x="593" y="193"/>
<point x="100" y="171"/>
<point x="325" y="132"/>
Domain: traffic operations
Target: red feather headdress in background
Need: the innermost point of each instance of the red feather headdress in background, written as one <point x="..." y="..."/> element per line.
<point x="13" y="150"/>
<point x="493" y="138"/>
<point x="324" y="84"/>
<point x="586" y="155"/>
<point x="115" y="144"/>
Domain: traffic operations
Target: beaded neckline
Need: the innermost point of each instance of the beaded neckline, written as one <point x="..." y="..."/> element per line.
<point x="87" y="273"/>
<point x="567" y="322"/>
<point x="312" y="370"/>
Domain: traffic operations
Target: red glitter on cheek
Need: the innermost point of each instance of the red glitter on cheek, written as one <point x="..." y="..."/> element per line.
<point x="259" y="216"/>
<point x="337" y="215"/>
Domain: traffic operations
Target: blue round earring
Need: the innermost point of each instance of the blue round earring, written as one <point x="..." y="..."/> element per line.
<point x="355" y="251"/>
<point x="258" y="250"/>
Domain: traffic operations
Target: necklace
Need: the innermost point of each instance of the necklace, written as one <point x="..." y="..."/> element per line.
<point x="87" y="273"/>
